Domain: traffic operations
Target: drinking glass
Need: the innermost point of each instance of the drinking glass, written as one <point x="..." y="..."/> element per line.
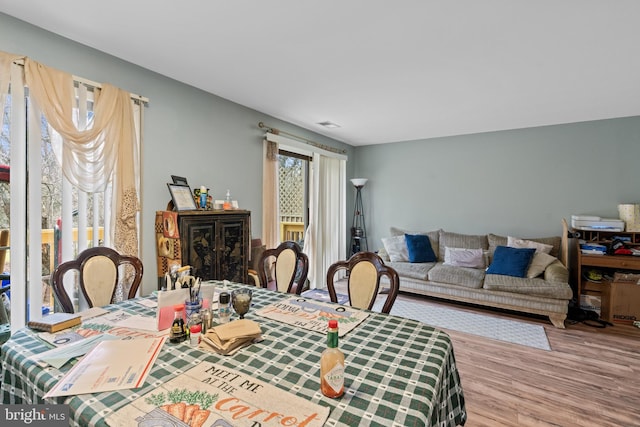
<point x="241" y="301"/>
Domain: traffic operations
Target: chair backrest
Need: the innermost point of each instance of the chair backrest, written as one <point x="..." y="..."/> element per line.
<point x="99" y="275"/>
<point x="365" y="270"/>
<point x="289" y="270"/>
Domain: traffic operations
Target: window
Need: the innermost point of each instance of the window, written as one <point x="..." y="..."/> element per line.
<point x="51" y="220"/>
<point x="293" y="202"/>
<point x="325" y="231"/>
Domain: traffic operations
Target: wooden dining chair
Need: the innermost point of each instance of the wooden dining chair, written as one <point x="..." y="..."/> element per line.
<point x="365" y="269"/>
<point x="99" y="275"/>
<point x="284" y="268"/>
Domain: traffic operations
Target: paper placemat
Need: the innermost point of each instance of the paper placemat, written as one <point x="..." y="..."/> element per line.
<point x="313" y="315"/>
<point x="214" y="395"/>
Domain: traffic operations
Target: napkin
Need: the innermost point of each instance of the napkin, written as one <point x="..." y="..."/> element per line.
<point x="228" y="338"/>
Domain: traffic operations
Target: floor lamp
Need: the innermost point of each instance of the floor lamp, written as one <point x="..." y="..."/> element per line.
<point x="358" y="228"/>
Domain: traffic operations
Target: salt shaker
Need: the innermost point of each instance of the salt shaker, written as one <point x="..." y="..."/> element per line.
<point x="224" y="307"/>
<point x="195" y="331"/>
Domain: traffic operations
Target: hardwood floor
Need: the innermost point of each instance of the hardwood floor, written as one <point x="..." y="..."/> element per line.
<point x="591" y="377"/>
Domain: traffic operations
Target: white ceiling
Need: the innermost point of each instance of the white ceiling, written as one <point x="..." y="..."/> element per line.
<point x="385" y="71"/>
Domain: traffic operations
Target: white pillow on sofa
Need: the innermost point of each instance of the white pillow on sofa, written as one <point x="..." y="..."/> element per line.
<point x="396" y="248"/>
<point x="515" y="242"/>
<point x="463" y="257"/>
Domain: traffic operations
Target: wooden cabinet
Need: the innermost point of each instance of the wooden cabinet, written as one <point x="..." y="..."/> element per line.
<point x="216" y="243"/>
<point x="608" y="264"/>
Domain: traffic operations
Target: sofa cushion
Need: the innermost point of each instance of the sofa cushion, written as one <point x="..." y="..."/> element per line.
<point x="419" y="247"/>
<point x="418" y="271"/>
<point x="539" y="263"/>
<point x="433" y="236"/>
<point x="457" y="240"/>
<point x="496" y="240"/>
<point x="461" y="276"/>
<point x="536" y="287"/>
<point x="396" y="248"/>
<point x="463" y="257"/>
<point x="509" y="261"/>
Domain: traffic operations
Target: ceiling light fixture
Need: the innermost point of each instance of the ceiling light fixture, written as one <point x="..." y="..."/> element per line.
<point x="329" y="125"/>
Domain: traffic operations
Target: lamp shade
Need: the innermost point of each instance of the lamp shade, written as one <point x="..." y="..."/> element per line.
<point x="359" y="182"/>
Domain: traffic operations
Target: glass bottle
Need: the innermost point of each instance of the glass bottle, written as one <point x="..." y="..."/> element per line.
<point x="194" y="319"/>
<point x="177" y="332"/>
<point x="203" y="197"/>
<point x="332" y="365"/>
<point x="227" y="201"/>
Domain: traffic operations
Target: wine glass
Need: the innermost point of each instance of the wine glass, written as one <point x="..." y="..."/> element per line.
<point x="241" y="301"/>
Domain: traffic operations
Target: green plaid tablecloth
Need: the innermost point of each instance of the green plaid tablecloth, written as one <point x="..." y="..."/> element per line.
<point x="399" y="372"/>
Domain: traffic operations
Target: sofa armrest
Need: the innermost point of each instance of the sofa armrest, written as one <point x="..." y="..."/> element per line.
<point x="556" y="272"/>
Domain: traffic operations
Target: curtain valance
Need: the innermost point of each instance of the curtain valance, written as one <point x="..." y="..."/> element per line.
<point x="92" y="156"/>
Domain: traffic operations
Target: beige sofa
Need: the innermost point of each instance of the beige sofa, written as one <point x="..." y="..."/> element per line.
<point x="546" y="294"/>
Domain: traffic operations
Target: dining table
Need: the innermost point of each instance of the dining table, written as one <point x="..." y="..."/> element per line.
<point x="398" y="371"/>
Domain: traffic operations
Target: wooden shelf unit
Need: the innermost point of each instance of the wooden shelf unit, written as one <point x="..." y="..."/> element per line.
<point x="609" y="264"/>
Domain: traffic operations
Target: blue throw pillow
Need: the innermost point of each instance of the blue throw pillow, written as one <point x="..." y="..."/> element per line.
<point x="419" y="248"/>
<point x="509" y="261"/>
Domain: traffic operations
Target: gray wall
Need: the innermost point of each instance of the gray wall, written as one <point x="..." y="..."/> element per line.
<point x="517" y="182"/>
<point x="187" y="132"/>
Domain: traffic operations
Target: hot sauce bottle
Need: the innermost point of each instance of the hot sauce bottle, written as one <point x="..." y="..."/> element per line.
<point x="332" y="365"/>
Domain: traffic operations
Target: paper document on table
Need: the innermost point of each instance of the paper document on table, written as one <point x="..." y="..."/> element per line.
<point x="57" y="357"/>
<point x="148" y="303"/>
<point x="110" y="365"/>
<point x="313" y="315"/>
<point x="92" y="312"/>
<point x="137" y="321"/>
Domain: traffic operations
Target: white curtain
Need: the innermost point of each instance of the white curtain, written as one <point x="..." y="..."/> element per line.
<point x="270" y="195"/>
<point x="326" y="235"/>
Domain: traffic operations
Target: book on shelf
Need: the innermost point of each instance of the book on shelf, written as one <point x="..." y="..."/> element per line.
<point x="55" y="322"/>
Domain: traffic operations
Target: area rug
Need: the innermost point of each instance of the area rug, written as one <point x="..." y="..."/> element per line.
<point x="472" y="323"/>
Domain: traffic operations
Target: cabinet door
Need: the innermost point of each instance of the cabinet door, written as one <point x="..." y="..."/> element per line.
<point x="198" y="235"/>
<point x="232" y="249"/>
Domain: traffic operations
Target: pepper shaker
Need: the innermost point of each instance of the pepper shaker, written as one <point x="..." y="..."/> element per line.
<point x="224" y="307"/>
<point x="207" y="319"/>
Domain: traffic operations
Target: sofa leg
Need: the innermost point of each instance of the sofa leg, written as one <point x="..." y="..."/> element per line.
<point x="558" y="320"/>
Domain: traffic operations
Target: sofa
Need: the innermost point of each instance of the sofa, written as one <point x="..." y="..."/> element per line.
<point x="504" y="272"/>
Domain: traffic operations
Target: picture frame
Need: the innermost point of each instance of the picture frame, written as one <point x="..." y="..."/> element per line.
<point x="180" y="180"/>
<point x="182" y="197"/>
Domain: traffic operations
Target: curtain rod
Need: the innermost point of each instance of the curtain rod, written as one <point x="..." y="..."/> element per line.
<point x="261" y="125"/>
<point x="91" y="84"/>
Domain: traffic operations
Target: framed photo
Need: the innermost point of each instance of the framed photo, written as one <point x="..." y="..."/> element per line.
<point x="182" y="197"/>
<point x="180" y="180"/>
